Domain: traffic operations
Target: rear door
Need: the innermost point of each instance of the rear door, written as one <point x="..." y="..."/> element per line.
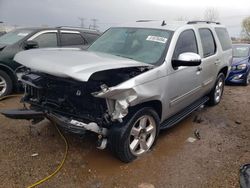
<point x="46" y="38"/>
<point x="210" y="59"/>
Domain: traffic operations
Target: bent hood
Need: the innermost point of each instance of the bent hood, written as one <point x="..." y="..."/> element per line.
<point x="74" y="63"/>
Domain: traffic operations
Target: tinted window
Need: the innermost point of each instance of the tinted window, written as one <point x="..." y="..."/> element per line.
<point x="207" y="41"/>
<point x="46" y="40"/>
<point x="224" y="38"/>
<point x="186" y="43"/>
<point x="90" y="37"/>
<point x="71" y="39"/>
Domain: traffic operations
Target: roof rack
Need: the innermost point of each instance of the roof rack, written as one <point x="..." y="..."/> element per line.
<point x="74" y="27"/>
<point x="202" y="21"/>
<point x="145" y="20"/>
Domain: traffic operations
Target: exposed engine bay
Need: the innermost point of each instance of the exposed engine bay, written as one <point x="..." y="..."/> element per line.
<point x="74" y="99"/>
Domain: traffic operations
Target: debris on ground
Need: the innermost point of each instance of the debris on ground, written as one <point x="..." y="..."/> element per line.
<point x="146" y="185"/>
<point x="245" y="176"/>
<point x="197" y="119"/>
<point x="197" y="134"/>
<point x="238" y="122"/>
<point x="191" y="139"/>
<point x="34" y="155"/>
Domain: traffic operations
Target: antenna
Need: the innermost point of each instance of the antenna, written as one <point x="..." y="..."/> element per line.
<point x="163" y="23"/>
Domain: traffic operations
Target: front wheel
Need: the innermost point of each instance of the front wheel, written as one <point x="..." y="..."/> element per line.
<point x="246" y="81"/>
<point x="5" y="84"/>
<point x="135" y="136"/>
<point x="216" y="93"/>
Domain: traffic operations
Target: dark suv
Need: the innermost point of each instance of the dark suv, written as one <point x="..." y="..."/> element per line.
<point x="28" y="38"/>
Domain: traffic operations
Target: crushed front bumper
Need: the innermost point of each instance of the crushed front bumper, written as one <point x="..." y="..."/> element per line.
<point x="69" y="124"/>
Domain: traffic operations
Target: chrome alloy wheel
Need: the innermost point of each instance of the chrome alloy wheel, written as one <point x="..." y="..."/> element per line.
<point x="142" y="135"/>
<point x="3" y="85"/>
<point x="218" y="90"/>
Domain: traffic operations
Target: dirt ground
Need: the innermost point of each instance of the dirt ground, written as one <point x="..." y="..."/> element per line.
<point x="212" y="161"/>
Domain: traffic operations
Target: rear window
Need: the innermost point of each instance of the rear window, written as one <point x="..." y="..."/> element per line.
<point x="71" y="39"/>
<point x="207" y="40"/>
<point x="224" y="38"/>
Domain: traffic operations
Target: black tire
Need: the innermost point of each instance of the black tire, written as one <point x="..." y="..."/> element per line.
<point x="120" y="134"/>
<point x="9" y="85"/>
<point x="212" y="95"/>
<point x="246" y="81"/>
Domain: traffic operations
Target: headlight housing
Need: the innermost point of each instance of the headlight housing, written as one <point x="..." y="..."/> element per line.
<point x="239" y="67"/>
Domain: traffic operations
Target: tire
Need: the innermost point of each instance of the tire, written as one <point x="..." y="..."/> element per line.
<point x="246" y="81"/>
<point x="6" y="84"/>
<point x="126" y="144"/>
<point x="216" y="93"/>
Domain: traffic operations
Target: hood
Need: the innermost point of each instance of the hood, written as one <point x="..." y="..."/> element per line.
<point x="239" y="60"/>
<point x="73" y="63"/>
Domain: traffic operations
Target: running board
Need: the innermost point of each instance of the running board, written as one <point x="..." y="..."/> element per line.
<point x="183" y="114"/>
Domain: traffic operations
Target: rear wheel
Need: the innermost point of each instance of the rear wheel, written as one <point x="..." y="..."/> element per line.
<point x="135" y="136"/>
<point x="5" y="84"/>
<point x="216" y="93"/>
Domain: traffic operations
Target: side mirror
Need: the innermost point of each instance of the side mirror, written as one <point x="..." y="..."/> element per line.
<point x="187" y="59"/>
<point x="30" y="44"/>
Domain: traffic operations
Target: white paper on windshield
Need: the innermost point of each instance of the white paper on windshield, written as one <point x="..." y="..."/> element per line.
<point x="22" y="34"/>
<point x="157" y="39"/>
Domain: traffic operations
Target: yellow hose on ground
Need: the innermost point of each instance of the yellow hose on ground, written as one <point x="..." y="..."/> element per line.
<point x="64" y="157"/>
<point x="61" y="164"/>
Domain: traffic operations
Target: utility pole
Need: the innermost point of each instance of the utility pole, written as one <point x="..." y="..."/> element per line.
<point x="82" y="21"/>
<point x="94" y="24"/>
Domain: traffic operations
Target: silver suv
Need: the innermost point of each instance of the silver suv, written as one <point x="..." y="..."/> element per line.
<point x="132" y="82"/>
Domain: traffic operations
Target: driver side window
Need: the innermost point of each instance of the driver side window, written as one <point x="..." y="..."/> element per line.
<point x="186" y="43"/>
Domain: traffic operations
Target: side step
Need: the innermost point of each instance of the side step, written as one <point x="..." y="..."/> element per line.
<point x="184" y="113"/>
<point x="22" y="114"/>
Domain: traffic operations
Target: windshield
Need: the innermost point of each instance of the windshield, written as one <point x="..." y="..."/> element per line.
<point x="240" y="51"/>
<point x="14" y="36"/>
<point x="144" y="45"/>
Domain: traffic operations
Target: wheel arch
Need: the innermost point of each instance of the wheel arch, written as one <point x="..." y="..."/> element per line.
<point x="9" y="71"/>
<point x="155" y="104"/>
<point x="224" y="70"/>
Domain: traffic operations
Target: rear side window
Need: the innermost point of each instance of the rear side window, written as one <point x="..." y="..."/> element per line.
<point x="90" y="37"/>
<point x="224" y="38"/>
<point x="207" y="41"/>
<point x="185" y="43"/>
<point x="71" y="39"/>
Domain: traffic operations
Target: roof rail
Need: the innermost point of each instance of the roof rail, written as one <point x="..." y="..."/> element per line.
<point x="145" y="20"/>
<point x="202" y="21"/>
<point x="74" y="27"/>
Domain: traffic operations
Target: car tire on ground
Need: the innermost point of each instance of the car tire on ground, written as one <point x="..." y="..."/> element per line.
<point x="6" y="84"/>
<point x="246" y="81"/>
<point x="135" y="135"/>
<point x="216" y="93"/>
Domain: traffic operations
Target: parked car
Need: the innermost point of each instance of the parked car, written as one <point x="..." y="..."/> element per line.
<point x="239" y="73"/>
<point x="132" y="82"/>
<point x="28" y="38"/>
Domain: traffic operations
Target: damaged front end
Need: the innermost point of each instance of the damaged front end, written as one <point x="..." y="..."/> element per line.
<point x="78" y="106"/>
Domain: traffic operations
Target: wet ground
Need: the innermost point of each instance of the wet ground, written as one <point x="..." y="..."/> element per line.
<point x="212" y="161"/>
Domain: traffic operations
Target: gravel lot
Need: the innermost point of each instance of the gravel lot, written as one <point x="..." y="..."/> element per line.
<point x="212" y="161"/>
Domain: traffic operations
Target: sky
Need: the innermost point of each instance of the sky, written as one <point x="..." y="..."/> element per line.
<point x="114" y="12"/>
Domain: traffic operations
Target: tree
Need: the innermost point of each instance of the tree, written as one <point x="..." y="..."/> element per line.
<point x="211" y="14"/>
<point x="245" y="25"/>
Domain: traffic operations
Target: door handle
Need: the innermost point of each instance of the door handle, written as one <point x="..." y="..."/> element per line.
<point x="217" y="61"/>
